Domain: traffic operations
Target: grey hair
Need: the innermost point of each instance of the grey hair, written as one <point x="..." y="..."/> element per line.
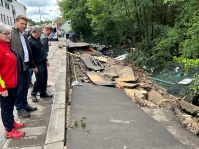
<point x="36" y="28"/>
<point x="4" y="28"/>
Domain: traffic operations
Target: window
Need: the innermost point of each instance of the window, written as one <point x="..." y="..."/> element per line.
<point x="8" y="20"/>
<point x="1" y="18"/>
<point x="4" y="18"/>
<point x="7" y="6"/>
<point x="1" y="3"/>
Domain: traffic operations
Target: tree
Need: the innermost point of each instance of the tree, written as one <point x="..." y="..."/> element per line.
<point x="76" y="10"/>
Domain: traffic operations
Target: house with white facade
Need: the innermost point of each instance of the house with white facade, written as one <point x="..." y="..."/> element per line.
<point x="9" y="9"/>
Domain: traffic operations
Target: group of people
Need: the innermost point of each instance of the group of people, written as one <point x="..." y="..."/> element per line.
<point x="18" y="55"/>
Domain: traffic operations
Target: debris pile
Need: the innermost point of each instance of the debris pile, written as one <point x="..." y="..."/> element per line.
<point x="93" y="67"/>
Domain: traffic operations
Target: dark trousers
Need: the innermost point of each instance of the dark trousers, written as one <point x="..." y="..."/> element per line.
<point x="22" y="89"/>
<point x="30" y="75"/>
<point x="7" y="106"/>
<point x="41" y="79"/>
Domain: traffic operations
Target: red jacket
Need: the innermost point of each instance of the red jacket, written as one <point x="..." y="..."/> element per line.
<point x="8" y="67"/>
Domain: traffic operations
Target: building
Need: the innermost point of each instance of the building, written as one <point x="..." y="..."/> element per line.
<point x="9" y="9"/>
<point x="66" y="27"/>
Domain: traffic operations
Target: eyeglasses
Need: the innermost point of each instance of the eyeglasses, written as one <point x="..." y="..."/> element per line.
<point x="6" y="34"/>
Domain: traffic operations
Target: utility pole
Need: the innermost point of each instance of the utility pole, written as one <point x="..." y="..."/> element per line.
<point x="40" y="15"/>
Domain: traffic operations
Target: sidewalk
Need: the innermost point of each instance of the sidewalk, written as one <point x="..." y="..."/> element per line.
<point x="46" y="126"/>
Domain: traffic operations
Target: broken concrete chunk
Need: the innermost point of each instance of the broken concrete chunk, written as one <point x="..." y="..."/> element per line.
<point x="188" y="107"/>
<point x="110" y="74"/>
<point x="139" y="94"/>
<point x="190" y="123"/>
<point x="97" y="79"/>
<point x="101" y="58"/>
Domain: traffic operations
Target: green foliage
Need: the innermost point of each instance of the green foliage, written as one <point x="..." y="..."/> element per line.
<point x="188" y="63"/>
<point x="137" y="58"/>
<point x="160" y="29"/>
<point x="75" y="123"/>
<point x="31" y="21"/>
<point x="76" y="10"/>
<point x="38" y="23"/>
<point x="194" y="86"/>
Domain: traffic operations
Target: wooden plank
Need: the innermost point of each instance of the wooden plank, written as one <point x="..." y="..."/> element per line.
<point x="97" y="79"/>
<point x="89" y="64"/>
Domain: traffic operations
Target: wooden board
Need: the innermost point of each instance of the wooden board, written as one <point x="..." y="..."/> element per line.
<point x="97" y="79"/>
<point x="89" y="64"/>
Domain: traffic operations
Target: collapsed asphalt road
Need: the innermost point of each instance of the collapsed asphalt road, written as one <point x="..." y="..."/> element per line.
<point x="93" y="103"/>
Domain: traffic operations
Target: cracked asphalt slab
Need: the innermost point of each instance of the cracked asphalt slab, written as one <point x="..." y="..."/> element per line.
<point x="113" y="121"/>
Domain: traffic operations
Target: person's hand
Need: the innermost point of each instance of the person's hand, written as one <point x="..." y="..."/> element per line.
<point x="4" y="93"/>
<point x="47" y="64"/>
<point x="35" y="70"/>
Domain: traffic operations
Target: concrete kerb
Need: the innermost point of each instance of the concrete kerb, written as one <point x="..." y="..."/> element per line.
<point x="57" y="145"/>
<point x="35" y="147"/>
<point x="56" y="129"/>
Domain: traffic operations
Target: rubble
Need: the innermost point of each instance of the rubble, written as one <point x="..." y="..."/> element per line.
<point x="136" y="84"/>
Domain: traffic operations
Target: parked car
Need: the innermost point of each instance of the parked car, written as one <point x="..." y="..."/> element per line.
<point x="53" y="36"/>
<point x="28" y="32"/>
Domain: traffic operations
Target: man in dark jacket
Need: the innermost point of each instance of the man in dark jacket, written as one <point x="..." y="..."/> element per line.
<point x="41" y="62"/>
<point x="44" y="37"/>
<point x="19" y="43"/>
<point x="44" y="40"/>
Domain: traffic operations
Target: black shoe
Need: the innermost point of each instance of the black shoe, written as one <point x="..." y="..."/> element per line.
<point x="30" y="108"/>
<point x="45" y="95"/>
<point x="34" y="98"/>
<point x="23" y="113"/>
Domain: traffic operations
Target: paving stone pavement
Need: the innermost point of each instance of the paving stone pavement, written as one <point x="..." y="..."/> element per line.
<point x="46" y="126"/>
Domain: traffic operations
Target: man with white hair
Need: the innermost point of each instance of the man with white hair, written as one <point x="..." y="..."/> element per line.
<point x="41" y="62"/>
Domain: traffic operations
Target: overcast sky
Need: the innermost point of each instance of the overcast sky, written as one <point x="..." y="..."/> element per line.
<point x="45" y="7"/>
